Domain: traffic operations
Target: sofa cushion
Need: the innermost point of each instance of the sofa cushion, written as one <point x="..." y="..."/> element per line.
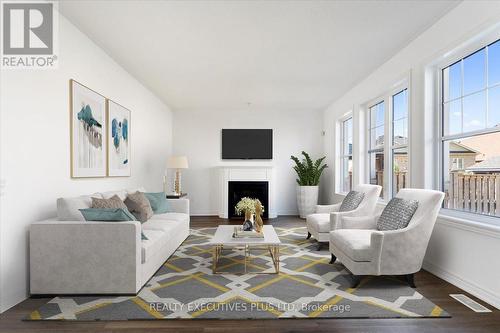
<point x="397" y="214"/>
<point x="68" y="208"/>
<point x="319" y="222"/>
<point x="122" y="194"/>
<point x="173" y="217"/>
<point x="156" y="239"/>
<point x="355" y="243"/>
<point x="351" y="201"/>
<point x="163" y="225"/>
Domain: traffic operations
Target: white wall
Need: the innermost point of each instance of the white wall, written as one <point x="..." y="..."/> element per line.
<point x="197" y="134"/>
<point x="457" y="251"/>
<point x="35" y="148"/>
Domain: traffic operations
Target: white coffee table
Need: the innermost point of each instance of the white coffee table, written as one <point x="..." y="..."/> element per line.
<point x="223" y="239"/>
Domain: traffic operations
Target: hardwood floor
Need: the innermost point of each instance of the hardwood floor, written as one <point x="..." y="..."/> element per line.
<point x="463" y="319"/>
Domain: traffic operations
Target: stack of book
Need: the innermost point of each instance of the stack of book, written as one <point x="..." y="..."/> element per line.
<point x="240" y="233"/>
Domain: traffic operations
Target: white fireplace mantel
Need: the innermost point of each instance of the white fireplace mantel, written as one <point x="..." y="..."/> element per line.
<point x="246" y="173"/>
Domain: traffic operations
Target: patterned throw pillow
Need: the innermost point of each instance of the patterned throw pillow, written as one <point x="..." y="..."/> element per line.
<point x="397" y="214"/>
<point x="113" y="202"/>
<point x="351" y="201"/>
<point x="139" y="205"/>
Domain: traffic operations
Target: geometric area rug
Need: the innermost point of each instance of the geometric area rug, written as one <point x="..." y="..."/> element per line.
<point x="307" y="287"/>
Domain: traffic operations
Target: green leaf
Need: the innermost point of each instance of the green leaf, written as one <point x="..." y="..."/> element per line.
<point x="308" y="172"/>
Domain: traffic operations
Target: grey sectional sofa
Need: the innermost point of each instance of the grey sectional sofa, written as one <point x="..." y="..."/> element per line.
<point x="69" y="255"/>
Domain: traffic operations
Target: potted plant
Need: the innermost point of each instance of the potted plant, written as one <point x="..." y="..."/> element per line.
<point x="247" y="206"/>
<point x="308" y="173"/>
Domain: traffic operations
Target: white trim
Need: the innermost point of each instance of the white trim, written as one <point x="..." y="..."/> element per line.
<point x="470" y="46"/>
<point x="485" y="295"/>
<point x="339" y="146"/>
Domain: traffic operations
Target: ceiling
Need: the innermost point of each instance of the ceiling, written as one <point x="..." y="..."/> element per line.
<point x="234" y="55"/>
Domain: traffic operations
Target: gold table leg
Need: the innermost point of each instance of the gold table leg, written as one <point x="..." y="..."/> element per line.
<point x="274" y="251"/>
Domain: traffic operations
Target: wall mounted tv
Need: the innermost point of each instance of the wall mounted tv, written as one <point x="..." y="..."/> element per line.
<point x="247" y="144"/>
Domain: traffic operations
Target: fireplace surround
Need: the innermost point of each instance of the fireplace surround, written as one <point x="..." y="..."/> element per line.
<point x="252" y="175"/>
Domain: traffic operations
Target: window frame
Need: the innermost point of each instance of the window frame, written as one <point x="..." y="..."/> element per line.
<point x="369" y="150"/>
<point x="450" y="59"/>
<point x="386" y="97"/>
<point x="393" y="146"/>
<point x="340" y="148"/>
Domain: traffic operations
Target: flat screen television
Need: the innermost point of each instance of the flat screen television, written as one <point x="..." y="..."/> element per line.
<point x="247" y="144"/>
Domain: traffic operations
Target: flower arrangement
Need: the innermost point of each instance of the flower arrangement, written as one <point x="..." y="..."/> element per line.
<point x="247" y="205"/>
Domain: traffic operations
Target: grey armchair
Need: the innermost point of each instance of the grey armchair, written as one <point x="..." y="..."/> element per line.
<point x="364" y="250"/>
<point x="326" y="217"/>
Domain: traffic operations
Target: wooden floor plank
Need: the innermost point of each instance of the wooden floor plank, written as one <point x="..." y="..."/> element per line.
<point x="463" y="319"/>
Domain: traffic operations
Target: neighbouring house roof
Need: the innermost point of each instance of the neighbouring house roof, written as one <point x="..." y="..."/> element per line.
<point x="490" y="164"/>
<point x="457" y="147"/>
<point x="486" y="144"/>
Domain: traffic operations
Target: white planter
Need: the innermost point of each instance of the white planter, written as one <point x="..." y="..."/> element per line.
<point x="307" y="199"/>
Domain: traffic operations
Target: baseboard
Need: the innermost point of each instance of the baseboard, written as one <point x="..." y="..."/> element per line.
<point x="205" y="214"/>
<point x="468" y="286"/>
<point x="217" y="214"/>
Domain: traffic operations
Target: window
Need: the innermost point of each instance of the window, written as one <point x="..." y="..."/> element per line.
<point x="399" y="140"/>
<point x="346" y="155"/>
<point x="457" y="164"/>
<point x="470" y="132"/>
<point x="376" y="149"/>
<point x="388" y="158"/>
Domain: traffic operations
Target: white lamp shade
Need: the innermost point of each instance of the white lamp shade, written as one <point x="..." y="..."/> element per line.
<point x="177" y="162"/>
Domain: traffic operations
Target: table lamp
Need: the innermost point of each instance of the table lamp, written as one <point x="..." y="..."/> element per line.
<point x="177" y="163"/>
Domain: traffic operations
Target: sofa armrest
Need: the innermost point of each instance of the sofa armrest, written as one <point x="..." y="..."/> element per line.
<point x="327" y="208"/>
<point x="179" y="205"/>
<point x="85" y="257"/>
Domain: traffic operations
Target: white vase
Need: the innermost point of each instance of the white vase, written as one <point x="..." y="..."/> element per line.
<point x="307" y="199"/>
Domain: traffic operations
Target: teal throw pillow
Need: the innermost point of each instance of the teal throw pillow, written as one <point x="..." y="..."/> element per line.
<point x="158" y="202"/>
<point x="109" y="215"/>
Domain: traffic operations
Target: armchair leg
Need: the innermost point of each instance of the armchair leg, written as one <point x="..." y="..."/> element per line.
<point x="333" y="259"/>
<point x="308" y="235"/>
<point x="356" y="279"/>
<point x="410" y="278"/>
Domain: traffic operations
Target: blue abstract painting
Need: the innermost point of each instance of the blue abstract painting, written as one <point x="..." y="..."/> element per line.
<point x="88" y="112"/>
<point x="119" y="140"/>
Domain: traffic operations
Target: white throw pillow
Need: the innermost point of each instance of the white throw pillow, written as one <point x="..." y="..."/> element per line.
<point x="68" y="208"/>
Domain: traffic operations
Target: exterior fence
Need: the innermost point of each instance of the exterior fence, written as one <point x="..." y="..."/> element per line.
<point x="400" y="179"/>
<point x="478" y="193"/>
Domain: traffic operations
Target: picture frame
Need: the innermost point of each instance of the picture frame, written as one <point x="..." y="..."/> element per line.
<point x="88" y="123"/>
<point x="118" y="133"/>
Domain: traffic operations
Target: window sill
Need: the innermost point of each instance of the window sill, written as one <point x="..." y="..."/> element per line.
<point x="485" y="225"/>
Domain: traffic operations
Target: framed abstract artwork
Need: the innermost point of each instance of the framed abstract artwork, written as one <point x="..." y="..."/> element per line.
<point x="118" y="140"/>
<point x="88" y="136"/>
